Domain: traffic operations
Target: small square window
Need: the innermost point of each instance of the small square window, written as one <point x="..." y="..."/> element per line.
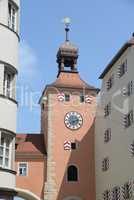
<point x="132" y="148"/>
<point x="116" y="193"/>
<point x="67" y="97"/>
<point x="110" y="82"/>
<point x="122" y="69"/>
<point x="82" y="98"/>
<point x="106" y="195"/>
<point x="126" y="189"/>
<point x="73" y="145"/>
<point x="107" y="109"/>
<point x="105" y="164"/>
<point x="22" y="169"/>
<point x="107" y="135"/>
<point x="130" y="88"/>
<point x="128" y="119"/>
<point x="42" y="106"/>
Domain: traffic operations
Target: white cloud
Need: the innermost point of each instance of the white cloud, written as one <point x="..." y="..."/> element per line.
<point x="27" y="60"/>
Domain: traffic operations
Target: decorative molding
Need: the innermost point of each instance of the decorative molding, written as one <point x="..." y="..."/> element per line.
<point x="29" y="155"/>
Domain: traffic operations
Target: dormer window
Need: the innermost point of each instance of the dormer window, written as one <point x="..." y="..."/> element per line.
<point x="12" y="16"/>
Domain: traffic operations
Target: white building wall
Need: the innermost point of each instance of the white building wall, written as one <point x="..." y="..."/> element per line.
<point x="8" y="180"/>
<point x="121" y="167"/>
<point x="8" y="111"/>
<point x="9" y="44"/>
<point x="9" y="47"/>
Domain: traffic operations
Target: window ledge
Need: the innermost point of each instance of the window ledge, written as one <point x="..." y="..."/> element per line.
<point x="11" y="99"/>
<point x="8" y="170"/>
<point x="11" y="30"/>
<point x="8" y="132"/>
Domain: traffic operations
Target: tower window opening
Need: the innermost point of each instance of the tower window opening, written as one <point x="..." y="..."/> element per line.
<point x="72" y="173"/>
<point x="12" y="16"/>
<point x="22" y="169"/>
<point x="5" y="151"/>
<point x="8" y="84"/>
<point x="73" y="145"/>
<point x="67" y="97"/>
<point x="82" y="98"/>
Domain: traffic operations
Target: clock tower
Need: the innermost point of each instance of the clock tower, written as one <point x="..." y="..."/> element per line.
<point x="68" y="108"/>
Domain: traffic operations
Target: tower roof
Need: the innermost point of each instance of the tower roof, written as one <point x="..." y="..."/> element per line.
<point x="68" y="53"/>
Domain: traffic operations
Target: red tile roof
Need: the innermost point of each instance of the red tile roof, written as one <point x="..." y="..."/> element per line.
<point x="32" y="143"/>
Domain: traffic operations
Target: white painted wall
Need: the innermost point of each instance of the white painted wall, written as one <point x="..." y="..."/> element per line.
<point x="7" y="180"/>
<point x="9" y="46"/>
<point x="121" y="163"/>
<point x="8" y="111"/>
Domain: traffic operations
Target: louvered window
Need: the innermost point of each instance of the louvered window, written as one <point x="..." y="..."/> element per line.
<point x="107" y="109"/>
<point x="130" y="88"/>
<point x="122" y="69"/>
<point x="116" y="193"/>
<point x="128" y="119"/>
<point x="110" y="82"/>
<point x="106" y="195"/>
<point x="105" y="164"/>
<point x="132" y="148"/>
<point x="107" y="135"/>
<point x="126" y="191"/>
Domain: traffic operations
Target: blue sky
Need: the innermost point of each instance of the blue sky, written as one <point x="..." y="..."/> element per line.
<point x="99" y="28"/>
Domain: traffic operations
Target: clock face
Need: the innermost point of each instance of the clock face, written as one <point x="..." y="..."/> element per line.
<point x="73" y="120"/>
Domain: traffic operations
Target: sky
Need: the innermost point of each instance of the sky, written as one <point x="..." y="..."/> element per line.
<point x="98" y="28"/>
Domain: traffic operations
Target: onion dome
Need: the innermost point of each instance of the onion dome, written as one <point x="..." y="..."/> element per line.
<point x="68" y="53"/>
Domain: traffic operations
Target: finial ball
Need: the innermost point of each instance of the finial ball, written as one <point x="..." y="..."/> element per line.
<point x="67" y="21"/>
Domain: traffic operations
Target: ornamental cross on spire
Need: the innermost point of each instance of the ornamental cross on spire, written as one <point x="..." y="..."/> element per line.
<point x="67" y="22"/>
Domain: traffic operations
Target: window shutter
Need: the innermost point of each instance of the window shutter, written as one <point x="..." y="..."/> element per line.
<point x="124" y="91"/>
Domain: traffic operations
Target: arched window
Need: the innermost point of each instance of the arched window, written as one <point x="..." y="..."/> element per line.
<point x="72" y="173"/>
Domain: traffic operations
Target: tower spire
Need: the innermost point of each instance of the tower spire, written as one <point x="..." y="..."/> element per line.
<point x="67" y="22"/>
<point x="68" y="53"/>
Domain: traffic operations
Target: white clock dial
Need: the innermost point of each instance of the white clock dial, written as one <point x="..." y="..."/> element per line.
<point x="73" y="120"/>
